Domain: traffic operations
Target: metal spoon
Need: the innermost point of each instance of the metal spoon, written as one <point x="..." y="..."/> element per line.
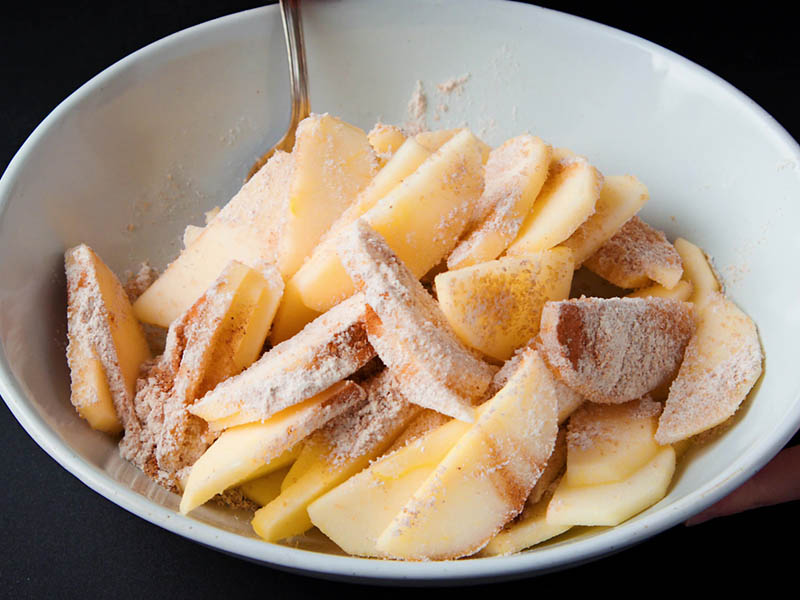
<point x="298" y="79"/>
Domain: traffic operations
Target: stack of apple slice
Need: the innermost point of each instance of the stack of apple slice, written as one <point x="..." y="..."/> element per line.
<point x="486" y="411"/>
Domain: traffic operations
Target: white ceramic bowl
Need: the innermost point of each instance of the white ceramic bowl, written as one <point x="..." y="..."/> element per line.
<point x="143" y="148"/>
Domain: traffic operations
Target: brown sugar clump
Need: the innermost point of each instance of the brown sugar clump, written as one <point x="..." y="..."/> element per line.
<point x="616" y="349"/>
<point x="636" y="255"/>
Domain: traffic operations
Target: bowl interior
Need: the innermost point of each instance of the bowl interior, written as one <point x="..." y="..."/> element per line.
<point x="147" y="146"/>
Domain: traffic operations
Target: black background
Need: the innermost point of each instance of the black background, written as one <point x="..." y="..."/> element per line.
<point x="60" y="539"/>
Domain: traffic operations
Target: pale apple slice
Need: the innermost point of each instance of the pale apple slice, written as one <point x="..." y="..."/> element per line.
<point x="433" y="140"/>
<point x="334" y="162"/>
<point x="682" y="291"/>
<point x="722" y="363"/>
<point x="609" y="442"/>
<point x="531" y="529"/>
<point x="514" y="175"/>
<point x="246" y="230"/>
<point x="423" y="217"/>
<point x="567" y="400"/>
<point x="621" y="197"/>
<point x="612" y="503"/>
<point x="342" y="448"/>
<point x="567" y="200"/>
<point x="637" y="255"/>
<point x="264" y="489"/>
<point x="385" y="140"/>
<point x="355" y="513"/>
<point x="253" y="450"/>
<point x="322" y="282"/>
<point x="90" y="394"/>
<point x="408" y="330"/>
<point x="612" y="350"/>
<point x="425" y="421"/>
<point x="495" y="306"/>
<point x="106" y="342"/>
<point x="329" y="349"/>
<point x="697" y="270"/>
<point x="292" y="315"/>
<point x="190" y="234"/>
<point x="485" y="479"/>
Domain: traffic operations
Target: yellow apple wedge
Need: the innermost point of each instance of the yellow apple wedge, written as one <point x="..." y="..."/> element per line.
<point x="106" y="342"/>
<point x="322" y="281"/>
<point x="567" y="200"/>
<point x="246" y="230"/>
<point x="609" y="442"/>
<point x="612" y="503"/>
<point x="334" y="162"/>
<point x="682" y="291"/>
<point x="250" y="451"/>
<point x="697" y="270"/>
<point x="514" y="175"/>
<point x="422" y="218"/>
<point x="621" y="197"/>
<point x="266" y="488"/>
<point x="255" y="299"/>
<point x="485" y="479"/>
<point x="292" y="315"/>
<point x="90" y="394"/>
<point x="335" y="453"/>
<point x="433" y="140"/>
<point x="385" y="140"/>
<point x="722" y="363"/>
<point x="495" y="306"/>
<point x="329" y="349"/>
<point x="355" y="513"/>
<point x="531" y="529"/>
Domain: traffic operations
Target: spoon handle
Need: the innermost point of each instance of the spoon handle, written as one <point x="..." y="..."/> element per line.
<point x="295" y="48"/>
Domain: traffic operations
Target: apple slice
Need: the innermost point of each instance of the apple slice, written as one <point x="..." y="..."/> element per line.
<point x="256" y="449"/>
<point x="408" y="330"/>
<point x="246" y="230"/>
<point x="722" y="363"/>
<point x="342" y="448"/>
<point x="495" y="306"/>
<point x="329" y="349"/>
<point x="609" y="442"/>
<point x="322" y="282"/>
<point x="612" y="350"/>
<point x="355" y="513"/>
<point x="567" y="199"/>
<point x="637" y="255"/>
<point x="612" y="503"/>
<point x="334" y="162"/>
<point x="531" y="529"/>
<point x="266" y="488"/>
<point x="567" y="400"/>
<point x="106" y="342"/>
<point x="433" y="140"/>
<point x="485" y="479"/>
<point x="682" y="291"/>
<point x="621" y="197"/>
<point x="385" y="140"/>
<point x="423" y="217"/>
<point x="514" y="175"/>
<point x="697" y="270"/>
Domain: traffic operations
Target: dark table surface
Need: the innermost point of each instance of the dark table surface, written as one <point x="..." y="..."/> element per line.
<point x="60" y="539"/>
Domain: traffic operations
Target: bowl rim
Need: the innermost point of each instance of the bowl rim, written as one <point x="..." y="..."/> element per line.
<point x="471" y="570"/>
